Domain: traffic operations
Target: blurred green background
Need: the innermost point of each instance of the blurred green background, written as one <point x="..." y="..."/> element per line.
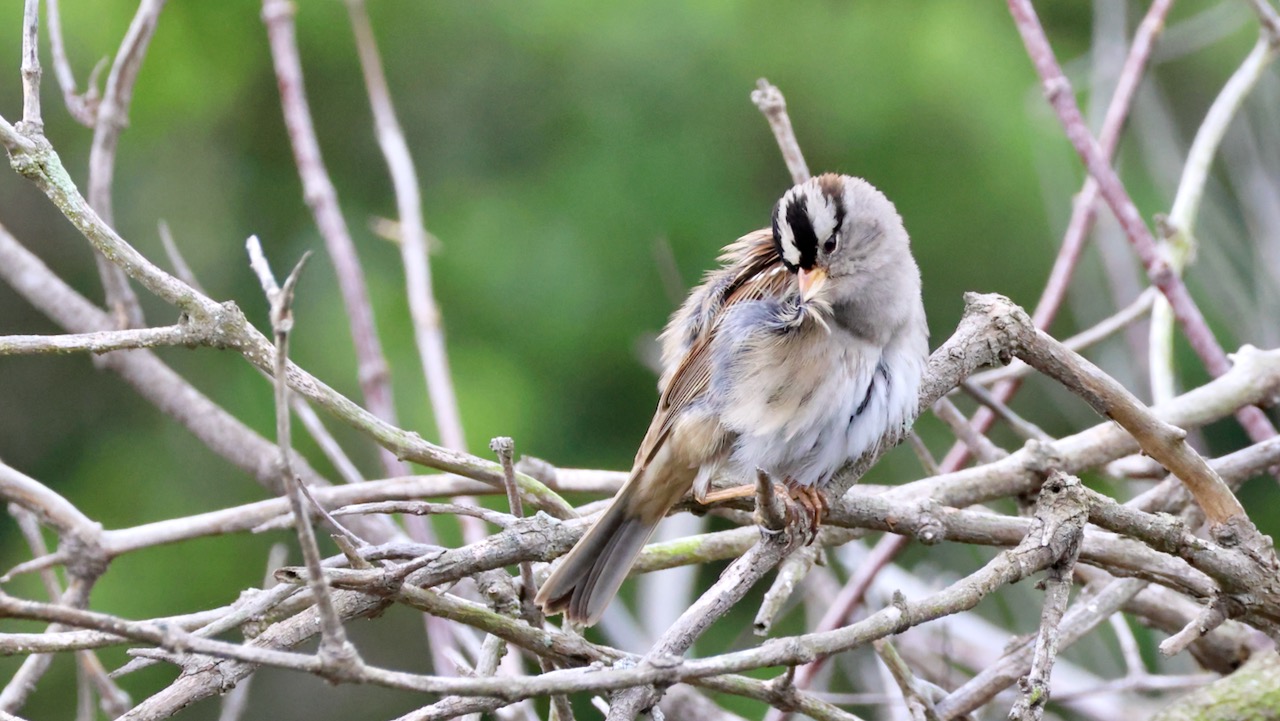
<point x="566" y="150"/>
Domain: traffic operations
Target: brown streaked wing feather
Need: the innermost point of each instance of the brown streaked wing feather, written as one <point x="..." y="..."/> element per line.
<point x="756" y="257"/>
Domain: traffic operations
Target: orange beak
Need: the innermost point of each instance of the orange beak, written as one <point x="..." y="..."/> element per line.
<point x="811" y="282"/>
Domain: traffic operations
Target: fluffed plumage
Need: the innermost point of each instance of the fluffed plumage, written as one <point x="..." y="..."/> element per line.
<point x="804" y="350"/>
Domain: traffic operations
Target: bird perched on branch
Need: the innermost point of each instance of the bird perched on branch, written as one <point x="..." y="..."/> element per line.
<point x="804" y="350"/>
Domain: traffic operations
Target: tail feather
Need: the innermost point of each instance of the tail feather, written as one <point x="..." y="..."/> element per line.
<point x="590" y="575"/>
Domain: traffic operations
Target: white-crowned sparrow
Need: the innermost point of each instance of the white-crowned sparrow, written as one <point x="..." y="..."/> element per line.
<point x="805" y="349"/>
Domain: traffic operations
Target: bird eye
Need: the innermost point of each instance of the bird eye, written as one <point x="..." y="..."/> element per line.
<point x="830" y="245"/>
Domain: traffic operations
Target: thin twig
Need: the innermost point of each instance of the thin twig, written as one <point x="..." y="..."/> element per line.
<point x="1079" y="342"/>
<point x="1024" y="428"/>
<point x="923" y="454"/>
<point x="1058" y="90"/>
<point x="1269" y="19"/>
<point x="978" y="444"/>
<point x="337" y="655"/>
<point x="1084" y="209"/>
<point x="1057" y="589"/>
<point x="1213" y="615"/>
<point x="423" y="308"/>
<point x="84" y="108"/>
<point x="1129" y="649"/>
<point x="768" y="98"/>
<point x="31" y="66"/>
<point x="1178" y="230"/>
<point x="919" y="702"/>
<point x="182" y="334"/>
<point x="111" y="118"/>
<point x="791" y="574"/>
<point x="321" y="196"/>
<point x="181" y="268"/>
<point x="505" y="448"/>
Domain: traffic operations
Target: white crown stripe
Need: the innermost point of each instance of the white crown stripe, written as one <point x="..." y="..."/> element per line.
<point x="790" y="252"/>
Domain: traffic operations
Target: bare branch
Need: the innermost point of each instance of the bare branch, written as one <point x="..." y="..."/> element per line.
<point x="1178" y="230"/>
<point x="336" y="653"/>
<point x="1084" y="209"/>
<point x="320" y="195"/>
<point x="1057" y="586"/>
<point x="915" y="693"/>
<point x="732" y="585"/>
<point x="1079" y="342"/>
<point x="978" y="444"/>
<point x="413" y="246"/>
<point x="1058" y="90"/>
<point x="1024" y="428"/>
<point x="45" y="169"/>
<point x="107" y="341"/>
<point x="84" y="108"/>
<point x="110" y="119"/>
<point x="768" y="98"/>
<point x="31" y="66"/>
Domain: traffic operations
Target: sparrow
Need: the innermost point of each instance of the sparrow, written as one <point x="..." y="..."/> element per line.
<point x="804" y="350"/>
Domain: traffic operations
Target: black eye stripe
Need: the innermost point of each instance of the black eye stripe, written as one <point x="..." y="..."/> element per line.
<point x="805" y="239"/>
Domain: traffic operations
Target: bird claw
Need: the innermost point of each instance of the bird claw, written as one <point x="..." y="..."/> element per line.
<point x="809" y="502"/>
<point x="788" y="506"/>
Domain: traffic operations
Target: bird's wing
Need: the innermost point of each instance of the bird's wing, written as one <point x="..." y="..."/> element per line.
<point x="754" y="271"/>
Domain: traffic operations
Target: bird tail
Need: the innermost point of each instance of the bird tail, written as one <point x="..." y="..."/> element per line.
<point x="589" y="576"/>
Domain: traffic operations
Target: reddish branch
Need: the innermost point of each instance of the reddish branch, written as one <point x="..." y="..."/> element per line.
<point x="1084" y="210"/>
<point x="1058" y="91"/>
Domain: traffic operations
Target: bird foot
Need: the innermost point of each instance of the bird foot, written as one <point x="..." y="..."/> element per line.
<point x="808" y="504"/>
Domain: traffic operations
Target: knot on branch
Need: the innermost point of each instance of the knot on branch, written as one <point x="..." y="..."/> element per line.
<point x="1230" y="532"/>
<point x="904" y="623"/>
<point x="496" y="586"/>
<point x="223" y="325"/>
<point x="84" y="553"/>
<point x="1168" y="534"/>
<point x="782" y="692"/>
<point x="1061" y="514"/>
<point x="929" y="528"/>
<point x="340" y="663"/>
<point x="1006" y="323"/>
<point x="1042" y="459"/>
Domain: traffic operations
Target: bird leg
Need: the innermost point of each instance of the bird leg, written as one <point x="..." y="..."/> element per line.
<point x="726" y="494"/>
<point x="805" y="502"/>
